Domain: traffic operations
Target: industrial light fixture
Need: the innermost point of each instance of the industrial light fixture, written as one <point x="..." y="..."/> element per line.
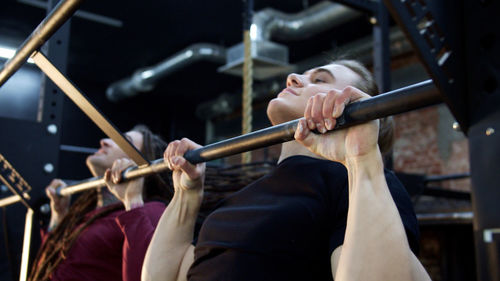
<point x="7" y="53"/>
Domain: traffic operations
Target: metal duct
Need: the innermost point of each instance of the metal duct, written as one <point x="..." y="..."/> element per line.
<point x="271" y="59"/>
<point x="145" y="79"/>
<point x="267" y="24"/>
<point x="270" y="23"/>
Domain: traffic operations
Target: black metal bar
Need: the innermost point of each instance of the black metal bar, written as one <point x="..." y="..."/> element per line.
<point x="398" y="101"/>
<point x="446" y="177"/>
<point x="443" y="64"/>
<point x="480" y="44"/>
<point x="382" y="57"/>
<point x="61" y="13"/>
<point x="446" y="193"/>
<point x="381" y="48"/>
<point x="78" y="149"/>
<point x="457" y="217"/>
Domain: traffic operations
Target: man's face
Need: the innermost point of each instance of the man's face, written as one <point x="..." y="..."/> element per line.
<point x="291" y="102"/>
<point x="110" y="151"/>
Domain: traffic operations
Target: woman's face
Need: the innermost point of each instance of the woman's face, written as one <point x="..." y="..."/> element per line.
<point x="109" y="151"/>
<point x="291" y="101"/>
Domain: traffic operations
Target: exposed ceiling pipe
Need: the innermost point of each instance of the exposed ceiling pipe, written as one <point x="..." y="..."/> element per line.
<point x="272" y="24"/>
<point x="267" y="24"/>
<point x="145" y="79"/>
<point x="270" y="58"/>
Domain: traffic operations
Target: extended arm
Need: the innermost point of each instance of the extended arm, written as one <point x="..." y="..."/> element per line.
<point x="59" y="205"/>
<point x="375" y="237"/>
<point x="171" y="253"/>
<point x="375" y="245"/>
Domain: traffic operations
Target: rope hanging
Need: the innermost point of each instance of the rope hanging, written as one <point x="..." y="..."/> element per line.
<point x="246" y="123"/>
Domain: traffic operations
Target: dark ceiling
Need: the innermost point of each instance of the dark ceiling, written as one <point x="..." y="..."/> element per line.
<point x="152" y="30"/>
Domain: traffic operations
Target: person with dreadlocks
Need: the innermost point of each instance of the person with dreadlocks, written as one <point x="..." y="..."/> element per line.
<point x="105" y="233"/>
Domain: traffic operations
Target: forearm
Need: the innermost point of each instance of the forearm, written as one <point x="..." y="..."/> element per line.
<point x="172" y="238"/>
<point x="132" y="202"/>
<point x="375" y="236"/>
<point x="55" y="220"/>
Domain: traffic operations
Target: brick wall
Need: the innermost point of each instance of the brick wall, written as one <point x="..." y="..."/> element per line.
<point x="427" y="144"/>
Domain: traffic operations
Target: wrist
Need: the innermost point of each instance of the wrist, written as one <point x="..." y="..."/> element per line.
<point x="186" y="203"/>
<point x="133" y="202"/>
<point x="54" y="221"/>
<point x="368" y="167"/>
<point x="192" y="197"/>
<point x="371" y="160"/>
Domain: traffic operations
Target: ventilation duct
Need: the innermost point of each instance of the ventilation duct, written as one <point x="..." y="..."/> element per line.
<point x="271" y="59"/>
<point x="271" y="24"/>
<point x="145" y="79"/>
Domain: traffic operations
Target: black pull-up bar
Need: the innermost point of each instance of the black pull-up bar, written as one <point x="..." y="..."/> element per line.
<point x="394" y="102"/>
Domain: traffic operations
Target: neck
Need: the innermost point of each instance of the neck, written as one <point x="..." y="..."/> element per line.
<point x="97" y="171"/>
<point x="293" y="148"/>
<point x="104" y="196"/>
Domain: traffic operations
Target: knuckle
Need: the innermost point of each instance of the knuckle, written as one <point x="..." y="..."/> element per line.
<point x="332" y="94"/>
<point x="348" y="89"/>
<point x="310" y="99"/>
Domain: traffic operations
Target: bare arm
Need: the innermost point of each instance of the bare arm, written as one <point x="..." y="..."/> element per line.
<point x="59" y="205"/>
<point x="375" y="237"/>
<point x="170" y="253"/>
<point x="375" y="245"/>
<point x="170" y="249"/>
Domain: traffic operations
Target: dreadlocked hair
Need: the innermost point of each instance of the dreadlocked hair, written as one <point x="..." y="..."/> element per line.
<point x="61" y="239"/>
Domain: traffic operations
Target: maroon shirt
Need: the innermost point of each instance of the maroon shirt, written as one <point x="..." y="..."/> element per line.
<point x="112" y="247"/>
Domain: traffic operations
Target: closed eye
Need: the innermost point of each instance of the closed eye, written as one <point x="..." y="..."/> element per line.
<point x="321" y="75"/>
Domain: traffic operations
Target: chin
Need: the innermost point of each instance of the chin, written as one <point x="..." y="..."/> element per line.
<point x="95" y="161"/>
<point x="279" y="111"/>
<point x="272" y="109"/>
